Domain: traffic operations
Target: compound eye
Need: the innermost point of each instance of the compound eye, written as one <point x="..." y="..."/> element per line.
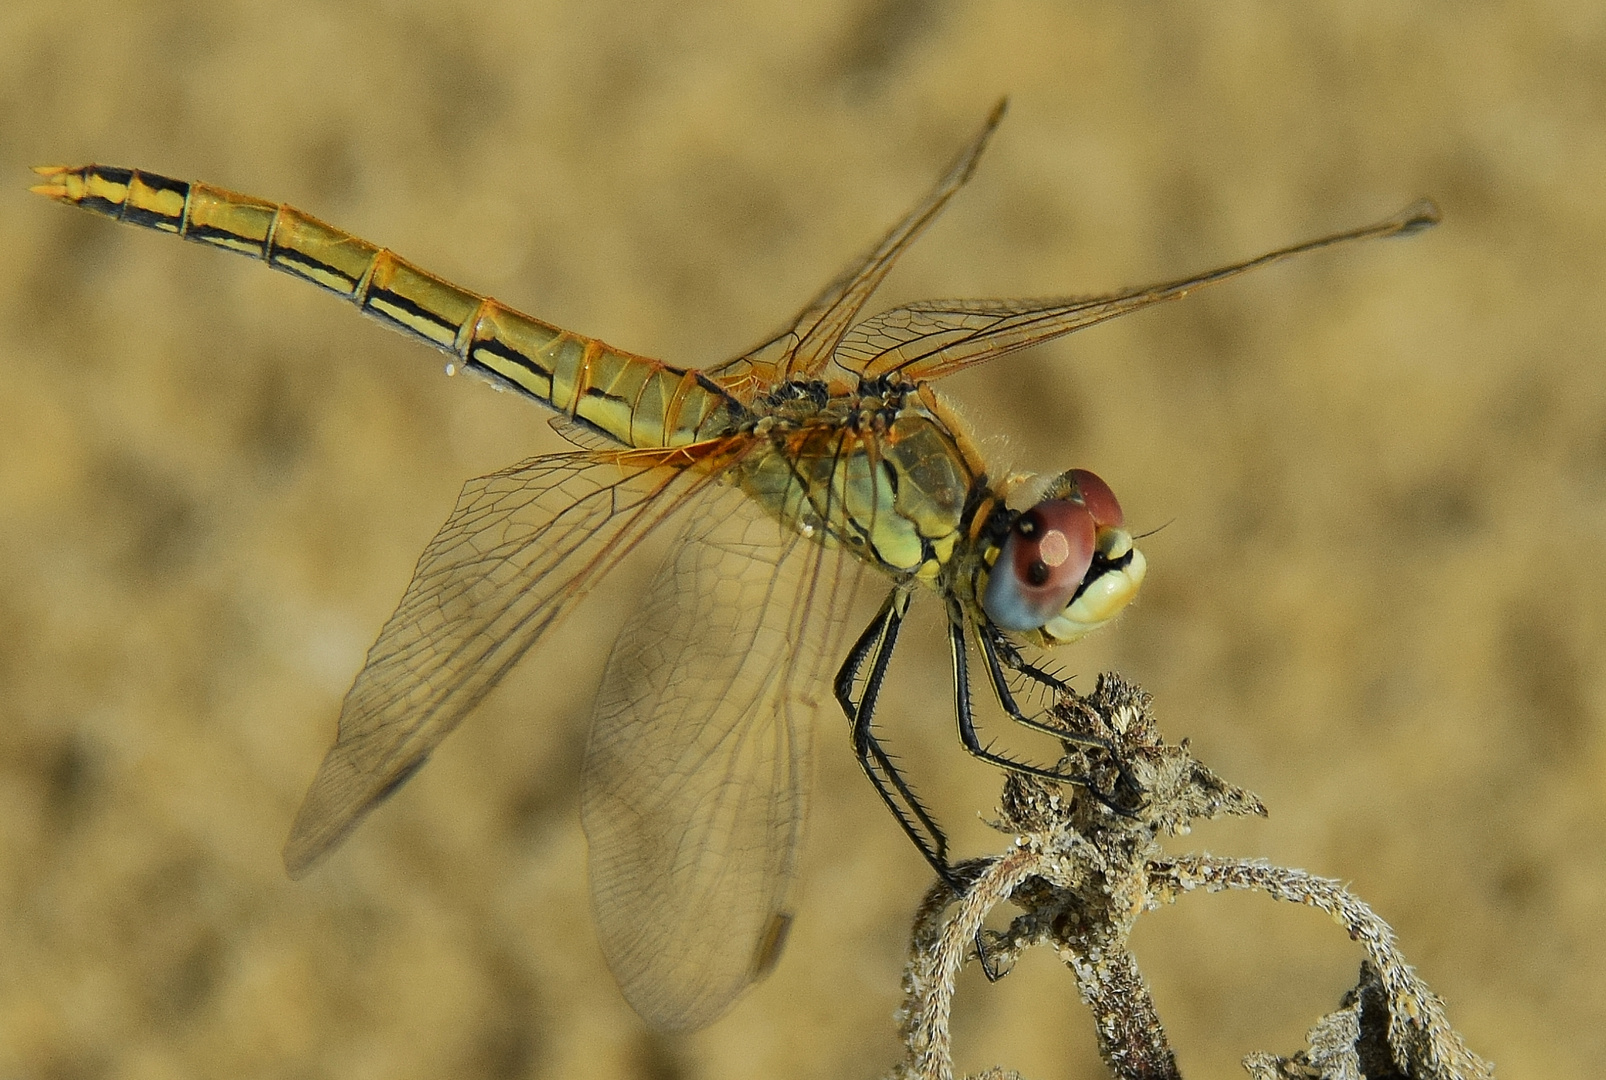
<point x="1098" y="498"/>
<point x="1042" y="564"/>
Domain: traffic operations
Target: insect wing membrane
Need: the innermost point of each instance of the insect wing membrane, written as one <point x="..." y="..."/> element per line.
<point x="697" y="770"/>
<point x="934" y="338"/>
<point x="806" y="348"/>
<point x="521" y="546"/>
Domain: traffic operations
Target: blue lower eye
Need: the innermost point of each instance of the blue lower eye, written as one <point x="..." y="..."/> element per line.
<point x="1006" y="602"/>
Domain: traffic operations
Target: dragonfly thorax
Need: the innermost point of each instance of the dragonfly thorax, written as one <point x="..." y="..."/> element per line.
<point x="796" y="403"/>
<point x="886" y="474"/>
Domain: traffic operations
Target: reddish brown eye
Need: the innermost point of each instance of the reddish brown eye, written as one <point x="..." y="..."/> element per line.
<point x="1041" y="565"/>
<point x="1098" y="498"/>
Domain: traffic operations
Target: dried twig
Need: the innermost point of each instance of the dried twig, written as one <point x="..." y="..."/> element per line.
<point x="1082" y="868"/>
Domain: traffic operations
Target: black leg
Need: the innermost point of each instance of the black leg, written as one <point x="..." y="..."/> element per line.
<point x="848" y="673"/>
<point x="967" y="719"/>
<point x="876" y="645"/>
<point x="1011" y="656"/>
<point x="961" y="667"/>
<point x="998" y="651"/>
<point x="994" y="645"/>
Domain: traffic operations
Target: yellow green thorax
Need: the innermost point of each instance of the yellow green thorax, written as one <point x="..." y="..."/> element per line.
<point x="887" y="475"/>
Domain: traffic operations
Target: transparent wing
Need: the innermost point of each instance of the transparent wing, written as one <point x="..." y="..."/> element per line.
<point x="576" y="432"/>
<point x="805" y="348"/>
<point x="521" y="546"/>
<point x="697" y="771"/>
<point x="934" y="338"/>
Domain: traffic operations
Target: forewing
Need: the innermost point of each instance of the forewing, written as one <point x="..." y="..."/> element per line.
<point x="805" y="348"/>
<point x="698" y="767"/>
<point x="934" y="338"/>
<point x="521" y="546"/>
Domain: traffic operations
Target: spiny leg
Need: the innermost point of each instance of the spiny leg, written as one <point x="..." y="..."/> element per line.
<point x="998" y="651"/>
<point x="967" y="719"/>
<point x="880" y="640"/>
<point x="1010" y="655"/>
<point x="961" y="670"/>
<point x="876" y="645"/>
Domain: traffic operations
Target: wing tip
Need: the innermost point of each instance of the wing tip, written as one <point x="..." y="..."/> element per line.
<point x="333" y="808"/>
<point x="966" y="165"/>
<point x="300" y="856"/>
<point x="1420" y="215"/>
<point x="313" y="835"/>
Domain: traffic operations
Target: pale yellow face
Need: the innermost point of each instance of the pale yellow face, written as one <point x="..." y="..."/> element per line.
<point x="1104" y="597"/>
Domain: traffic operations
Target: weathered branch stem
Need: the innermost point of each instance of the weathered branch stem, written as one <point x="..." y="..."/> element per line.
<point x="1082" y="867"/>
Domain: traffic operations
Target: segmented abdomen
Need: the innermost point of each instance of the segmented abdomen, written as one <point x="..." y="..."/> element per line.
<point x="633" y="399"/>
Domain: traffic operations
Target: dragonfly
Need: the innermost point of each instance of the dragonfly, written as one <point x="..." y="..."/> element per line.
<point x="797" y="476"/>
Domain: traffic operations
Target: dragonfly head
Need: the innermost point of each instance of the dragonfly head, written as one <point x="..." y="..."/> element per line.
<point x="1066" y="565"/>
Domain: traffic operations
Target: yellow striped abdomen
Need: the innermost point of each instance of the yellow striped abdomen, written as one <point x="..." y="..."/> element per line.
<point x="634" y="400"/>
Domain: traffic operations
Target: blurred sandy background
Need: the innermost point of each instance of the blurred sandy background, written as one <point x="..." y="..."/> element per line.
<point x="1379" y="600"/>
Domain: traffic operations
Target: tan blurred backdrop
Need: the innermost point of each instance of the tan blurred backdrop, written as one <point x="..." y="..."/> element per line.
<point x="1379" y="599"/>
